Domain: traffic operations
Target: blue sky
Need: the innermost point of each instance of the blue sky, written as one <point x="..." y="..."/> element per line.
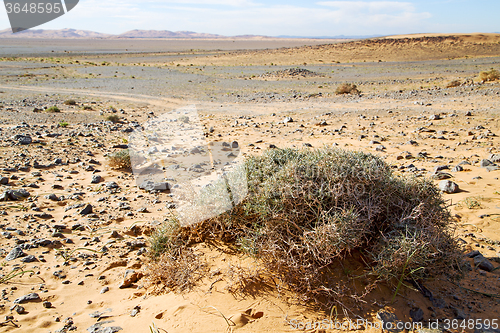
<point x="280" y="17"/>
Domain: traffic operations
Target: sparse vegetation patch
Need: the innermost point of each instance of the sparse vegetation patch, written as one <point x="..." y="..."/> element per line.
<point x="310" y="210"/>
<point x="491" y="75"/>
<point x="120" y="159"/>
<point x="113" y="118"/>
<point x="347" y="88"/>
<point x="53" y="109"/>
<point x="70" y="102"/>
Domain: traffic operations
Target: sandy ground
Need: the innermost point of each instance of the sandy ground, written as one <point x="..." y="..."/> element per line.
<point x="405" y="114"/>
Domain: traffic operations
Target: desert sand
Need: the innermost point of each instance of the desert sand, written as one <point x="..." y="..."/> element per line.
<point x="82" y="231"/>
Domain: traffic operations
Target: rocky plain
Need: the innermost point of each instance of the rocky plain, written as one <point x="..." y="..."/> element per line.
<point x="75" y="231"/>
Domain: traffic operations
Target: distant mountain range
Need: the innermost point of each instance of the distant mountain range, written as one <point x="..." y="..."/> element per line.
<point x="72" y="33"/>
<point x="165" y="34"/>
<point x="63" y="33"/>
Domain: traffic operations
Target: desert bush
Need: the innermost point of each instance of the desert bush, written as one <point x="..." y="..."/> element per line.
<point x="490" y="75"/>
<point x="87" y="108"/>
<point x="120" y="159"/>
<point x="176" y="266"/>
<point x="453" y="84"/>
<point x="470" y="202"/>
<point x="113" y="118"/>
<point x="347" y="88"/>
<point x="309" y="210"/>
<point x="63" y="124"/>
<point x="53" y="109"/>
<point x="70" y="102"/>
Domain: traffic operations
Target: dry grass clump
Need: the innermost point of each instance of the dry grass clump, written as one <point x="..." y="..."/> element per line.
<point x="310" y="210"/>
<point x="175" y="265"/>
<point x="490" y="75"/>
<point x="453" y="84"/>
<point x="70" y="102"/>
<point x="120" y="159"/>
<point x="347" y="88"/>
<point x="177" y="270"/>
<point x="113" y="118"/>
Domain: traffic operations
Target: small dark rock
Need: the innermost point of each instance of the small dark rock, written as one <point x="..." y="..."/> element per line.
<point x="96" y="179"/>
<point x="33" y="297"/>
<point x="86" y="210"/>
<point x="472" y="254"/>
<point x="111" y="185"/>
<point x="149" y="185"/>
<point x="481" y="262"/>
<point x="28" y="259"/>
<point x="22" y="139"/>
<point x="52" y="197"/>
<point x="485" y="163"/>
<point x="59" y="274"/>
<point x="417" y="315"/>
<point x="15" y="253"/>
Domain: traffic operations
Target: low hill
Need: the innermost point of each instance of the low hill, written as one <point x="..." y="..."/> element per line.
<point x="392" y="48"/>
<point x="63" y="33"/>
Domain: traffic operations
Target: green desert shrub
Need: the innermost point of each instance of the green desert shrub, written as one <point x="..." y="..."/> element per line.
<point x="490" y="75"/>
<point x="310" y="210"/>
<point x="120" y="159"/>
<point x="347" y="88"/>
<point x="53" y="109"/>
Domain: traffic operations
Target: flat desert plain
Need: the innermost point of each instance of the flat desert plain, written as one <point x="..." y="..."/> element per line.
<point x="75" y="241"/>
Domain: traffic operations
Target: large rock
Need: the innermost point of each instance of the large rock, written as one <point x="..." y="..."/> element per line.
<point x="14" y="195"/>
<point x="448" y="186"/>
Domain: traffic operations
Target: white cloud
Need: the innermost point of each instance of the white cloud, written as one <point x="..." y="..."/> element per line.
<point x="372" y="7"/>
<point x="232" y="3"/>
<point x="235" y="17"/>
<point x="377" y="14"/>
